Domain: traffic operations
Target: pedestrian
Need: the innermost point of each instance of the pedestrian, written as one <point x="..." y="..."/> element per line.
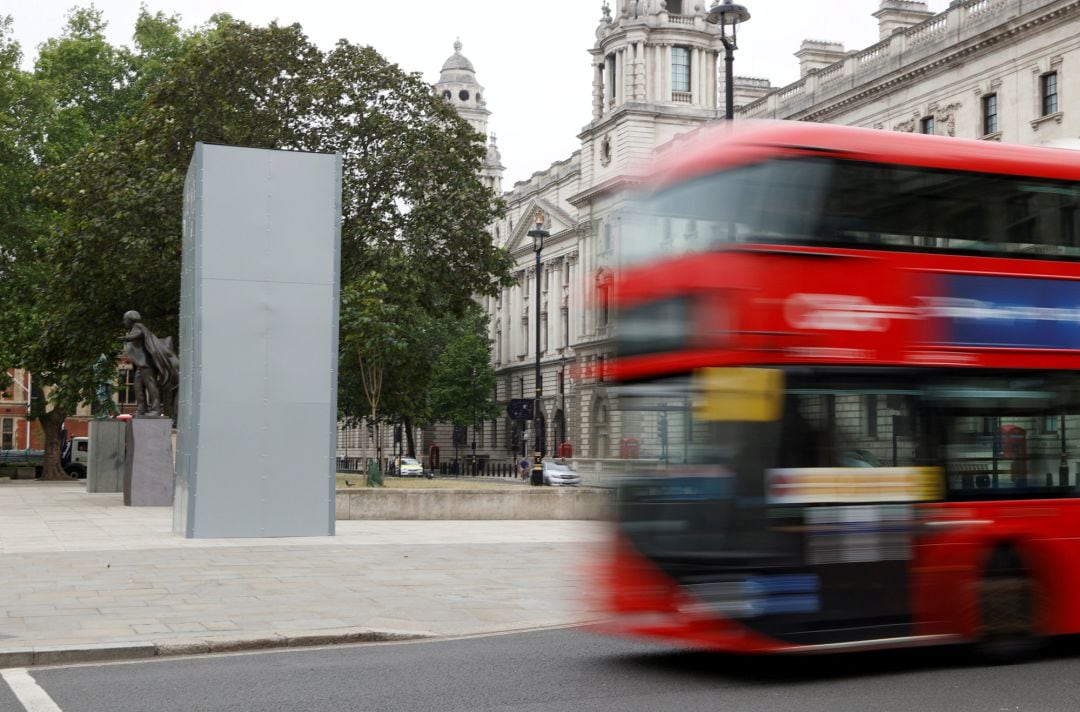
<point x="523" y="468"/>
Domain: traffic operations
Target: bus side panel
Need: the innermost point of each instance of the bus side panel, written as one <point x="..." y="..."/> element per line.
<point x="941" y="581"/>
<point x="957" y="544"/>
<point x="1051" y="552"/>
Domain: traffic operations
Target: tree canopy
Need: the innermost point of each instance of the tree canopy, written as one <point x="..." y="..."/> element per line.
<point x="100" y="171"/>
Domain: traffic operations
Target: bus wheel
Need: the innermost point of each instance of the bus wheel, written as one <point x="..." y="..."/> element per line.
<point x="1006" y="597"/>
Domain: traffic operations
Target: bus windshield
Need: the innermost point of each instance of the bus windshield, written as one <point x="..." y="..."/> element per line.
<point x="831" y="202"/>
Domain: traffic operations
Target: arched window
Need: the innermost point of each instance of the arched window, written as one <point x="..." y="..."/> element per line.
<point x="463" y="95"/>
<point x="446" y="94"/>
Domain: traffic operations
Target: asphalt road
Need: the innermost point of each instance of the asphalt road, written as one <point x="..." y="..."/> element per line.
<point x="561" y="670"/>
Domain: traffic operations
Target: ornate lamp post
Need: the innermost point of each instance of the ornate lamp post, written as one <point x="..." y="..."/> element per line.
<point x="725" y="15"/>
<point x="538" y="234"/>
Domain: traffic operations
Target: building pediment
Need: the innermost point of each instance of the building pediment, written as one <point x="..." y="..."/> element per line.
<point x="556" y="220"/>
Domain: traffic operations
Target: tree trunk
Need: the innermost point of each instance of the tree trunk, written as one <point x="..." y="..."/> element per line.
<point x="52" y="422"/>
<point x="410" y="443"/>
<point x="378" y="446"/>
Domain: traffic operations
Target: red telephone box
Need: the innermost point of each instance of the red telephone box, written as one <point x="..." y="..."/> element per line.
<point x="629" y="448"/>
<point x="565" y="451"/>
<point x="1014" y="447"/>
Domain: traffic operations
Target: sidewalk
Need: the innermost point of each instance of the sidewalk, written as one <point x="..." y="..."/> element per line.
<point x="83" y="577"/>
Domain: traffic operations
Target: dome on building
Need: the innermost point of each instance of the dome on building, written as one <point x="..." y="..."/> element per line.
<point x="457" y="68"/>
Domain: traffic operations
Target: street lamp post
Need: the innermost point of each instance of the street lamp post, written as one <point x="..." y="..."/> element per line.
<point x="474" y="421"/>
<point x="725" y="15"/>
<point x="538" y="234"/>
<point x="561" y="423"/>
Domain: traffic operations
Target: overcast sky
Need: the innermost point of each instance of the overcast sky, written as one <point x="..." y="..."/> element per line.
<point x="531" y="57"/>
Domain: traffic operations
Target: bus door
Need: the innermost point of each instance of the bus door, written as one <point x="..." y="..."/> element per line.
<point x="850" y="468"/>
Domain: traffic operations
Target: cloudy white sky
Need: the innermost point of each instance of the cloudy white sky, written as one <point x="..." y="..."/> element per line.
<point x="531" y="57"/>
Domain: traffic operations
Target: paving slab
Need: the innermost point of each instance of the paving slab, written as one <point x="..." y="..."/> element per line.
<point x="81" y="571"/>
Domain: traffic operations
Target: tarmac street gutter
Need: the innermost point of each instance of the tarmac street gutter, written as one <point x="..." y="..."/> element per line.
<point x="112" y="652"/>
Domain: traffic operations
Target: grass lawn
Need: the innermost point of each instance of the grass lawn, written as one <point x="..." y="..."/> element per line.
<point x="356" y="481"/>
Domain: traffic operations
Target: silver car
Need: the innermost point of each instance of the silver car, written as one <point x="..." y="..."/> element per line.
<point x="558" y="475"/>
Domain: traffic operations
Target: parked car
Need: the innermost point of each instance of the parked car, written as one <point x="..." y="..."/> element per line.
<point x="409" y="467"/>
<point x="558" y="474"/>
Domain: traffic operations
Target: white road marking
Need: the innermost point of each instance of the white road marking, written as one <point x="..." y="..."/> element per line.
<point x="28" y="692"/>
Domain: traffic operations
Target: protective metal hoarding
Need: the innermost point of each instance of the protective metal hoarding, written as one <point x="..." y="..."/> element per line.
<point x="258" y="344"/>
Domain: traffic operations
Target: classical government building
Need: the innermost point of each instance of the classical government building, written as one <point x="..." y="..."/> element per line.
<point x="994" y="70"/>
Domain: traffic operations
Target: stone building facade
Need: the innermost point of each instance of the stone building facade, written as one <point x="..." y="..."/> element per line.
<point x="996" y="70"/>
<point x="1000" y="70"/>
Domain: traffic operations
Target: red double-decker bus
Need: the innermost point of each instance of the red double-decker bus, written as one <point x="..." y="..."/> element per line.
<point x="849" y="359"/>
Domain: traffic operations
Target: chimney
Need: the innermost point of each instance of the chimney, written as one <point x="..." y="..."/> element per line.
<point x="816" y="54"/>
<point x="750" y="89"/>
<point x="899" y="15"/>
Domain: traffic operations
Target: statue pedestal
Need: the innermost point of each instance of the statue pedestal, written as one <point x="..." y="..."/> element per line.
<point x="148" y="463"/>
<point x="105" y="471"/>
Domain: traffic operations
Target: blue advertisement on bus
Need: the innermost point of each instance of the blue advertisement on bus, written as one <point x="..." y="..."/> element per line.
<point x="1008" y="312"/>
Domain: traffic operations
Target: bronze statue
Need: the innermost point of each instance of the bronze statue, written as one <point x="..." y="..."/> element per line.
<point x="157" y="369"/>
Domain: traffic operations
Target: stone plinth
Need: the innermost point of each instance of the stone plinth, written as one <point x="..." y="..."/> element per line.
<point x="105" y="471"/>
<point x="148" y="463"/>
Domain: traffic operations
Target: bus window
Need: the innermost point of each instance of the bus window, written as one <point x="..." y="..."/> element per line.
<point x="827" y="201"/>
<point x="1009" y="436"/>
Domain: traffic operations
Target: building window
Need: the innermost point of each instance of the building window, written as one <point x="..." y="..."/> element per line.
<point x="446" y="94"/>
<point x="463" y="95"/>
<point x="603" y="298"/>
<point x="125" y="394"/>
<point x="674" y="7"/>
<point x="990" y="114"/>
<point x="870" y="415"/>
<point x="7" y="434"/>
<point x="1049" y="91"/>
<point x="926" y="126"/>
<point x="612" y="76"/>
<point x="680" y="69"/>
<point x="565" y="327"/>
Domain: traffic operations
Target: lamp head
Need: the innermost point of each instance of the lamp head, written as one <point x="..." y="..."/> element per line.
<point x="727" y="14"/>
<point x="538" y="233"/>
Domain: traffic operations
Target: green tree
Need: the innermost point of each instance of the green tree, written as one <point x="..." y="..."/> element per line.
<point x="377" y="340"/>
<point x="414" y="211"/>
<point x="22" y="112"/>
<point x="464" y="380"/>
<point x="80" y="92"/>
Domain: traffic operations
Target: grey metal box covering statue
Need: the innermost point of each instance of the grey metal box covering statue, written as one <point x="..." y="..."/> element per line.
<point x="258" y="344"/>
